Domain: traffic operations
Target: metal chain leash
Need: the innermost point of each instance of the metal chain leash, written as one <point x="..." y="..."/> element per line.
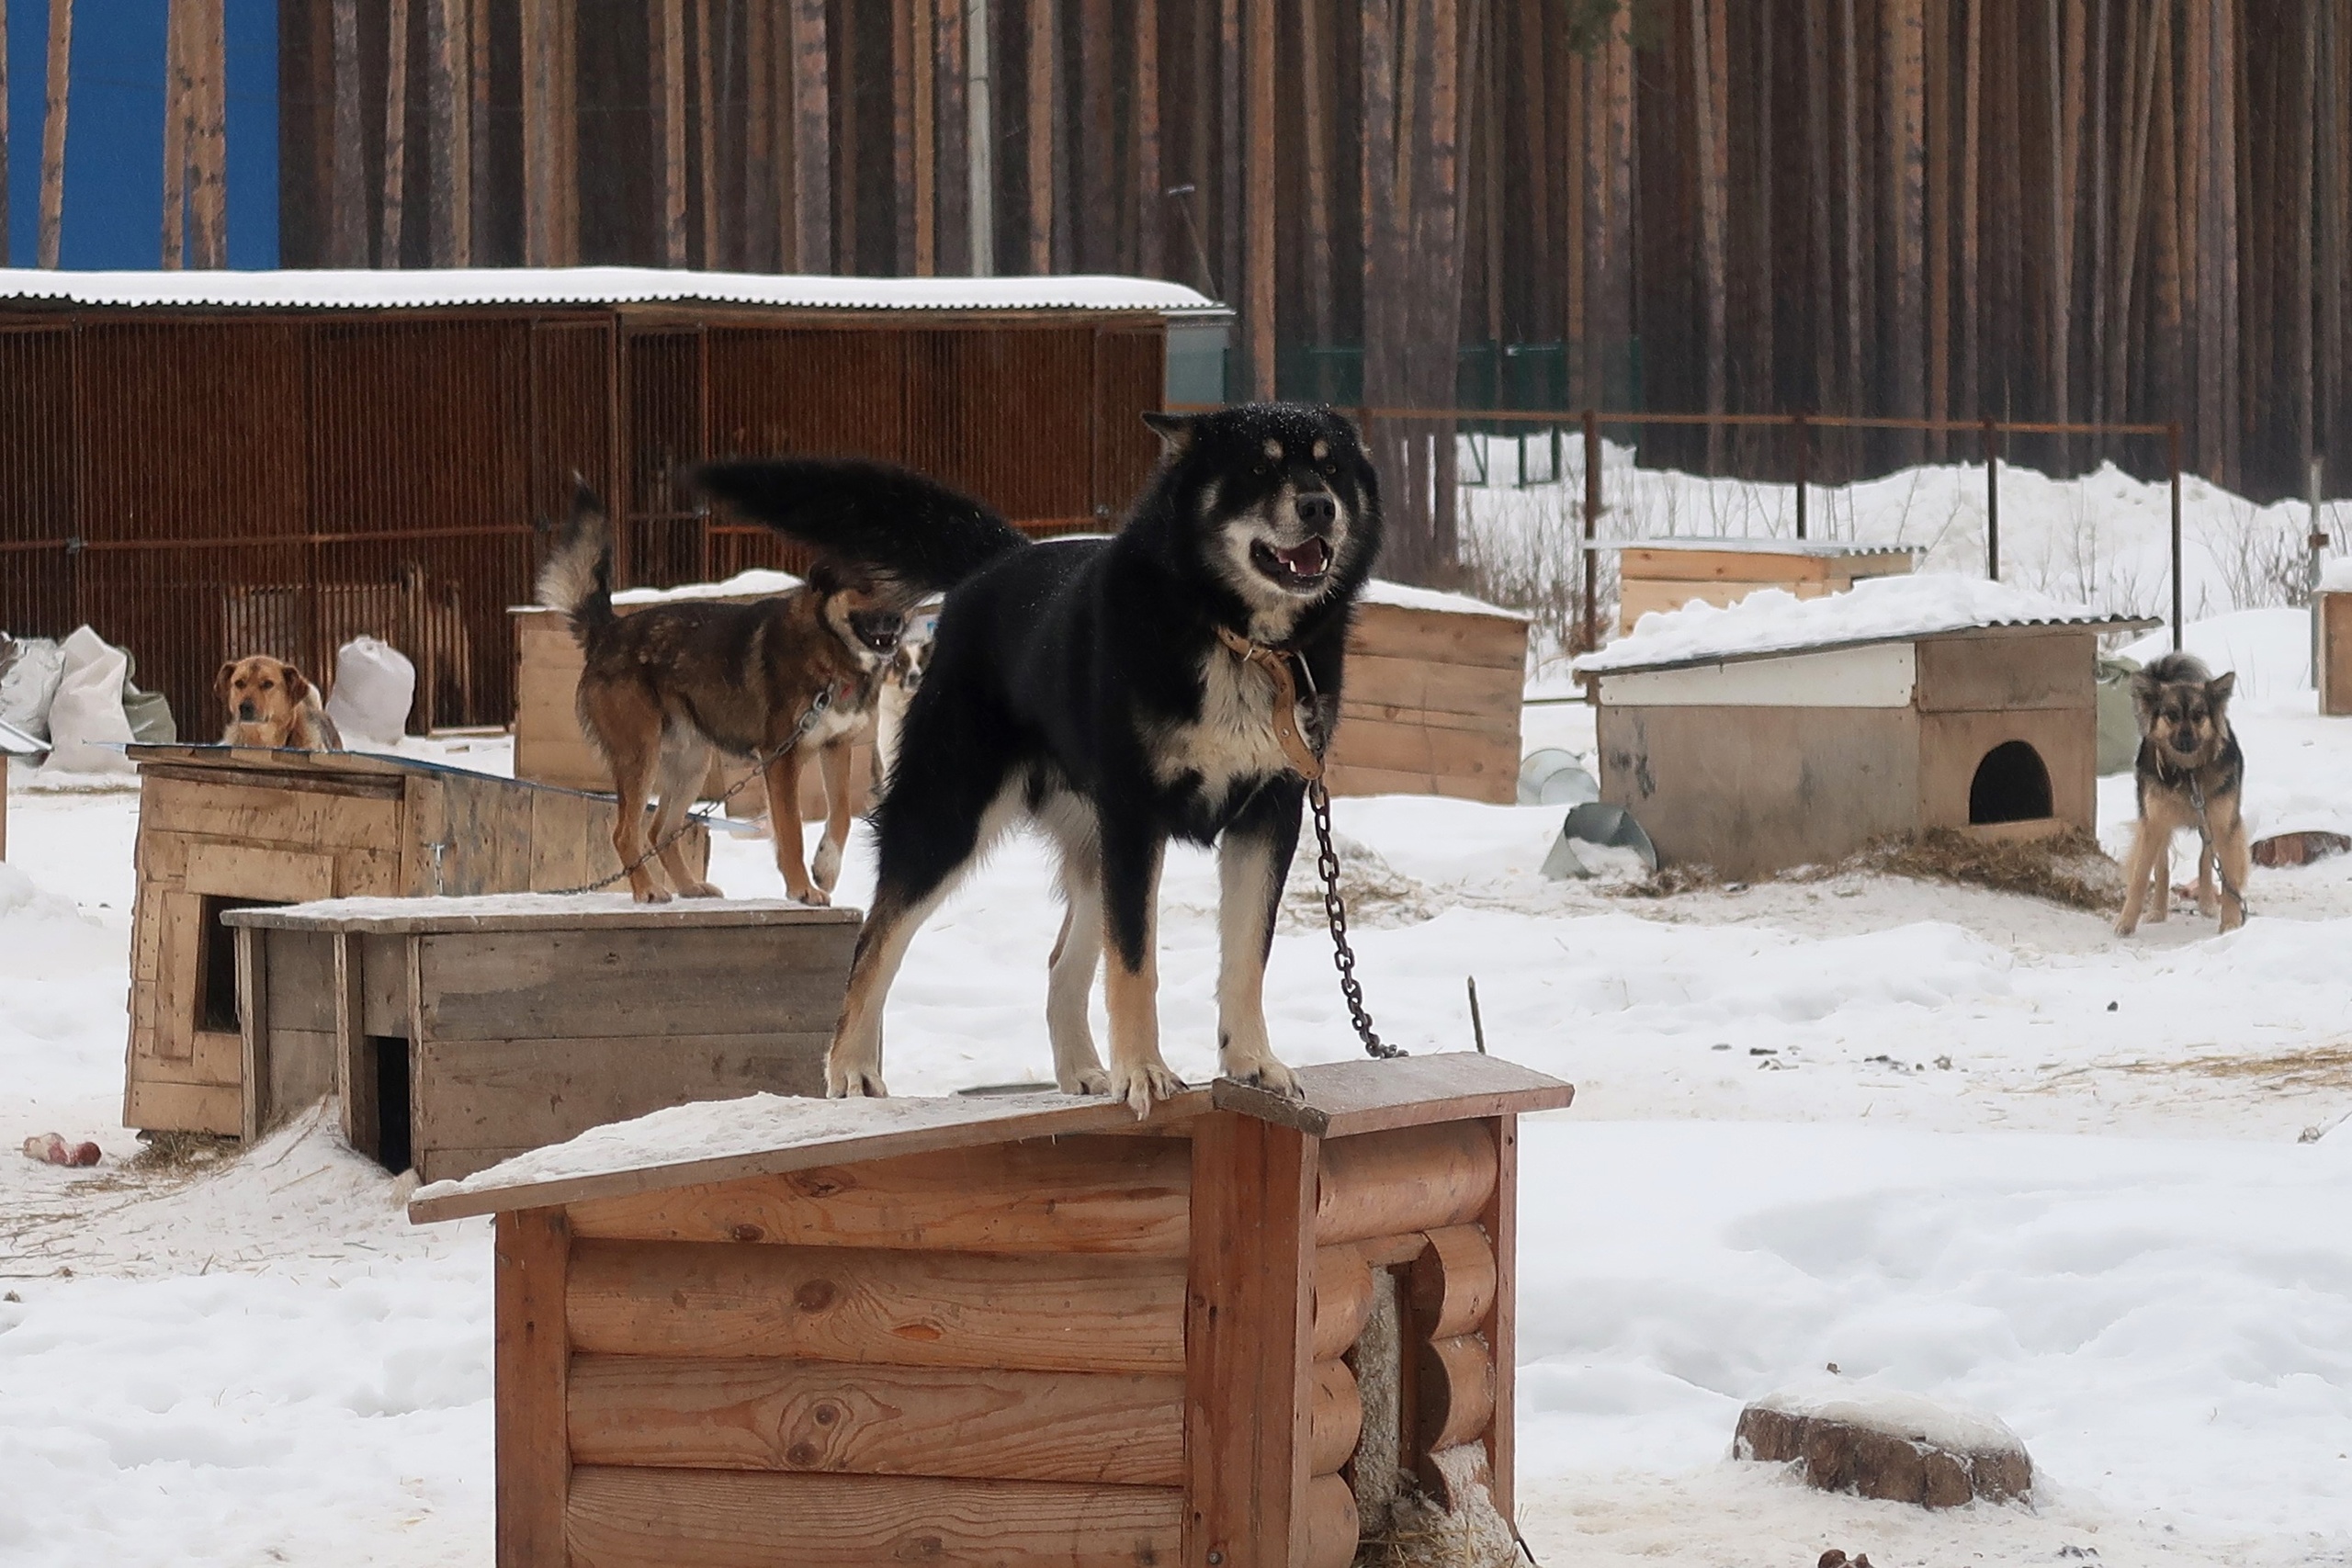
<point x="1343" y="957"/>
<point x="2205" y="839"/>
<point x="759" y="761"/>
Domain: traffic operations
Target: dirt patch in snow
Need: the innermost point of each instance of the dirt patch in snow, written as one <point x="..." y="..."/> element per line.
<point x="2070" y="868"/>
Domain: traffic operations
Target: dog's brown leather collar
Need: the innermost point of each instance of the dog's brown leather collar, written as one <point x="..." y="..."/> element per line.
<point x="1275" y="662"/>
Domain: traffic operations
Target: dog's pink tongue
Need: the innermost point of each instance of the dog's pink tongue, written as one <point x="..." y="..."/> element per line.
<point x="1308" y="559"/>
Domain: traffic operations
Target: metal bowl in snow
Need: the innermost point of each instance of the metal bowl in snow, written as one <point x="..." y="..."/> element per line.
<point x="1550" y="776"/>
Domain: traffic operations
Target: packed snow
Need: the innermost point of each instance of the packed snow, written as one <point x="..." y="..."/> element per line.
<point x="1965" y="1147"/>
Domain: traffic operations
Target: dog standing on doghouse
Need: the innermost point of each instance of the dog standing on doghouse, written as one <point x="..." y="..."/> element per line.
<point x="2190" y="775"/>
<point x="272" y="703"/>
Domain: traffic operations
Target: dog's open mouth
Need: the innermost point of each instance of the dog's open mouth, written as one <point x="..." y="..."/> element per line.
<point x="1300" y="566"/>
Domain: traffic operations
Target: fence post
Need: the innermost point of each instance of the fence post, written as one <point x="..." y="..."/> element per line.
<point x="1591" y="630"/>
<point x="1992" y="500"/>
<point x="1803" y="467"/>
<point x="2172" y="459"/>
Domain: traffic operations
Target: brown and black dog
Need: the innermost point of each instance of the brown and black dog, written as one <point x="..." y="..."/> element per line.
<point x="664" y="687"/>
<point x="274" y="705"/>
<point x="2190" y="775"/>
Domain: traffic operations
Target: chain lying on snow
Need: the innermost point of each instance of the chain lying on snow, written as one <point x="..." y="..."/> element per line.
<point x="759" y="761"/>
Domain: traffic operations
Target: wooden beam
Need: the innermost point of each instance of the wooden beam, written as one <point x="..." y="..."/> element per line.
<point x="533" y="1354"/>
<point x="925" y="134"/>
<point x="705" y="118"/>
<point x="449" y="144"/>
<point x="1150" y="184"/>
<point x="1249" y="1433"/>
<point x="811" y="139"/>
<point x="1041" y="98"/>
<point x="479" y="223"/>
<point x="178" y="88"/>
<point x="668" y="48"/>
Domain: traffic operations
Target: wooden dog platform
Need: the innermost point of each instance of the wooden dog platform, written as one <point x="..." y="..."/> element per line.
<point x="459" y="1031"/>
<point x="1023" y="1328"/>
<point x="221" y="828"/>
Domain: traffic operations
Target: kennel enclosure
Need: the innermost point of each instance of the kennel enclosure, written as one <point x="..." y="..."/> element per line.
<point x="1020" y="1328"/>
<point x="205" y="465"/>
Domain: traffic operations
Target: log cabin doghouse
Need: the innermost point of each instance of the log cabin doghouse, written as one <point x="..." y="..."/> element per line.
<point x="1432" y="698"/>
<point x="222" y="827"/>
<point x="1018" y="1329"/>
<point x="367" y="451"/>
<point x="458" y="1031"/>
<point x="1666" y="574"/>
<point x="549" y="746"/>
<point x="1856" y="726"/>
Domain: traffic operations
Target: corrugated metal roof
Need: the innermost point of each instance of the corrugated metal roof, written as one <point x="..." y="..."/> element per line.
<point x="422" y="288"/>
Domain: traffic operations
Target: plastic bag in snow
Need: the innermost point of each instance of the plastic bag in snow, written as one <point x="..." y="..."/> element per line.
<point x="374" y="685"/>
<point x="29" y="671"/>
<point x="87" y="728"/>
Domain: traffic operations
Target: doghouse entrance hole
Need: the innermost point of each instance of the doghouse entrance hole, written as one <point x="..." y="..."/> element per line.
<point x="2011" y="785"/>
<point x="393" y="1149"/>
<point x="216" y="967"/>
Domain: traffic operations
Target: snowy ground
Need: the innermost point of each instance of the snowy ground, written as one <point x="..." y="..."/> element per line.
<point x="1953" y="1142"/>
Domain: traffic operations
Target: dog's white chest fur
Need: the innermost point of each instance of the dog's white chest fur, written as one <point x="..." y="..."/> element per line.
<point x="1233" y="738"/>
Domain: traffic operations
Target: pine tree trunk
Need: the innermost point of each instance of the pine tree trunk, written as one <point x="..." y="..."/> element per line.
<point x="811" y="140"/>
<point x="179" y="92"/>
<point x="395" y="133"/>
<point x="1151" y="199"/>
<point x="1315" y="93"/>
<point x="1041" y="135"/>
<point x="1905" y="110"/>
<point x="53" y="132"/>
<point x="449" y="218"/>
<point x="1258" y="206"/>
<point x="1971" y="401"/>
<point x="669" y="69"/>
<point x="1708" y="110"/>
<point x="705" y="118"/>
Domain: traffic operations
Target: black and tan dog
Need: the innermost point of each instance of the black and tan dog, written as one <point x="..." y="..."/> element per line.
<point x="663" y="688"/>
<point x="273" y="703"/>
<point x="1116" y="692"/>
<point x="2190" y="775"/>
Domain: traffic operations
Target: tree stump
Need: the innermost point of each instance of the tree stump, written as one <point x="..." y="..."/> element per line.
<point x="1896" y="1447"/>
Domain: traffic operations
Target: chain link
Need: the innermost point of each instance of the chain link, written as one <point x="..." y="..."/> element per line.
<point x="1343" y="957"/>
<point x="759" y="761"/>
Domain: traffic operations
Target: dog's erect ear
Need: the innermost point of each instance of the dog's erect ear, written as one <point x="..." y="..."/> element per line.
<point x="297" y="686"/>
<point x="220" y="682"/>
<point x="2147" y="690"/>
<point x="1174" y="430"/>
<point x="2218" y="689"/>
<point x="826" y="576"/>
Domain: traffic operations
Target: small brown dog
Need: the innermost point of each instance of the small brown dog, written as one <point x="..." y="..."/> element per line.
<point x="778" y="680"/>
<point x="274" y="705"/>
<point x="2190" y="775"/>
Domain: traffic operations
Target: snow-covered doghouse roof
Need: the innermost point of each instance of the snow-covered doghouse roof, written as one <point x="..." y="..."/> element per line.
<point x="1824" y="549"/>
<point x="768" y="1134"/>
<point x="354" y="289"/>
<point x="1772" y="621"/>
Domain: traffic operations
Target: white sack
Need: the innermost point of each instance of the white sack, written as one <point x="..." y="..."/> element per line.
<point x="374" y="685"/>
<point x="88" y="727"/>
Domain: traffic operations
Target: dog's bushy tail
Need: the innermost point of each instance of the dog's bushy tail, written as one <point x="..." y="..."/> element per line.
<point x="892" y="523"/>
<point x="578" y="577"/>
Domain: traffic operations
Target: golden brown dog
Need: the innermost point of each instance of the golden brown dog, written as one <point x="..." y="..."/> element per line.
<point x="2190" y="775"/>
<point x="274" y="705"/>
<point x="779" y="679"/>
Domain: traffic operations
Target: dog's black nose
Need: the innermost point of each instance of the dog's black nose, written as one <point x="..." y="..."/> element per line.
<point x="1317" y="510"/>
<point x="246" y="712"/>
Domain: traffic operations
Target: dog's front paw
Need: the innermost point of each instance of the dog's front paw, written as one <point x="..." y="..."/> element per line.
<point x="1140" y="1083"/>
<point x="815" y="897"/>
<point x="1268" y="1074"/>
<point x="2126" y="926"/>
<point x="701" y="890"/>
<point x="828" y="867"/>
<point x="653" y="894"/>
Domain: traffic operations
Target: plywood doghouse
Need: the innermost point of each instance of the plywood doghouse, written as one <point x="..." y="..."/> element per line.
<point x="1666" y="574"/>
<point x="221" y="827"/>
<point x="458" y="1031"/>
<point x="2335" y="611"/>
<point x="1754" y="763"/>
<point x="549" y="746"/>
<point x="1007" y="1330"/>
<point x="1433" y="697"/>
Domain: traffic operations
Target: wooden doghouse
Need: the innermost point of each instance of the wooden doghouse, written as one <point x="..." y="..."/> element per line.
<point x="996" y="1330"/>
<point x="459" y="1031"/>
<point x="1666" y="574"/>
<point x="1433" y="697"/>
<point x="2334" y="608"/>
<point x="221" y="828"/>
<point x="550" y="747"/>
<point x="1751" y="762"/>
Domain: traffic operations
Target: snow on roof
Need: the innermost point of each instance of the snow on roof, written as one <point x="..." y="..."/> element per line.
<point x="1407" y="597"/>
<point x="759" y="582"/>
<point x="1878" y="609"/>
<point x="1749" y="546"/>
<point x="2335" y="577"/>
<point x="423" y="287"/>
